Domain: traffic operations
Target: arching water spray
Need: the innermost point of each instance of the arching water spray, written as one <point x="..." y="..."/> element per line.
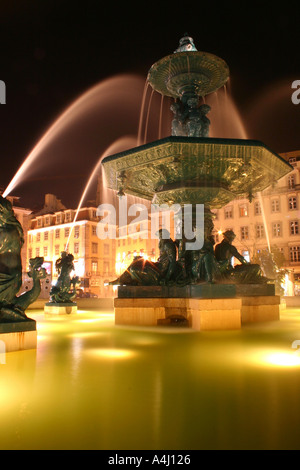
<point x="97" y="96"/>
<point x="120" y="144"/>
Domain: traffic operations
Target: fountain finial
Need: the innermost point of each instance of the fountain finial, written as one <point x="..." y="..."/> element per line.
<point x="186" y="44"/>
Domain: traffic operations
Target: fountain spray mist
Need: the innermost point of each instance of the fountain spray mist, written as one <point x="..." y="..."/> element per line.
<point x="123" y="143"/>
<point x="100" y="96"/>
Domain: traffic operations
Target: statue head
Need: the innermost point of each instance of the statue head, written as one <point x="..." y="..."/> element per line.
<point x="229" y="235"/>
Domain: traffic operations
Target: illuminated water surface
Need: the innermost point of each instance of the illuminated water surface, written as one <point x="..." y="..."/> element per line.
<point x="92" y="385"/>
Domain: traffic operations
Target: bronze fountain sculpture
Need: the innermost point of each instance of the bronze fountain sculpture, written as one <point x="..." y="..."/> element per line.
<point x="189" y="167"/>
<point x="13" y="318"/>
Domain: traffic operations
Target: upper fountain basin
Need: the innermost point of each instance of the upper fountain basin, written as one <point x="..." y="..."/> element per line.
<point x="193" y="72"/>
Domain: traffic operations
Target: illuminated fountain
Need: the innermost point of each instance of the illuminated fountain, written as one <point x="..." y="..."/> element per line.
<point x="197" y="285"/>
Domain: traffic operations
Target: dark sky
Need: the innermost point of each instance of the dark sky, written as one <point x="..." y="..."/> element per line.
<point x="53" y="51"/>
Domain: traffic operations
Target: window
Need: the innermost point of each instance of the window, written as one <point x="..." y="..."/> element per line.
<point x="94" y="230"/>
<point x="94" y="248"/>
<point x="56" y="250"/>
<point x="58" y="219"/>
<point x="67" y="232"/>
<point x="39" y="222"/>
<point x="76" y="247"/>
<point x="94" y="267"/>
<point x="38" y="237"/>
<point x="106" y="249"/>
<point x="294" y="253"/>
<point x="292" y="202"/>
<point x="244" y="233"/>
<point x="37" y="252"/>
<point x="76" y="232"/>
<point x="46" y="235"/>
<point x="243" y="210"/>
<point x="291" y="181"/>
<point x="57" y="233"/>
<point x="259" y="230"/>
<point x="68" y="216"/>
<point x="275" y="205"/>
<point x="106" y="267"/>
<point x="47" y="220"/>
<point x="294" y="227"/>
<point x="276" y="229"/>
<point x="257" y="208"/>
<point x="45" y="251"/>
<point x="228" y="212"/>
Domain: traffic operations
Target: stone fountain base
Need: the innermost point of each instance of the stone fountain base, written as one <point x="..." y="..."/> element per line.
<point x="18" y="336"/>
<point x="201" y="307"/>
<point x="53" y="308"/>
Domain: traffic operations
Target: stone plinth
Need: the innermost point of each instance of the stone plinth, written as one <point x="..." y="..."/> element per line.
<point x="52" y="308"/>
<point x="200" y="314"/>
<point x="215" y="314"/>
<point x="18" y="336"/>
<point x="260" y="308"/>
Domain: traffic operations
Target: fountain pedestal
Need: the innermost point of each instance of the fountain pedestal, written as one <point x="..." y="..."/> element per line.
<point x="201" y="307"/>
<point x="18" y="336"/>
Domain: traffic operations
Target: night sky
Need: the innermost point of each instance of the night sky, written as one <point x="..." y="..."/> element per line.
<point x="54" y="51"/>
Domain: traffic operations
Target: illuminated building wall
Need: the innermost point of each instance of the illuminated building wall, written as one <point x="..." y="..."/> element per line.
<point x="273" y="218"/>
<point x="94" y="259"/>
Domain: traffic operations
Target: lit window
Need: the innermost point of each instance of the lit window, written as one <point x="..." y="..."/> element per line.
<point x="94" y="267"/>
<point x="244" y="233"/>
<point x="292" y="202"/>
<point x="294" y="227"/>
<point x="243" y="210"/>
<point x="294" y="253"/>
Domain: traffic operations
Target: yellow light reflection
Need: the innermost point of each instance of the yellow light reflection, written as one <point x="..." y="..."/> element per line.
<point x="112" y="353"/>
<point x="277" y="358"/>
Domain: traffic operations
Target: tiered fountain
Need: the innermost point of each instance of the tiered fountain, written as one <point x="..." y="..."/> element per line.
<point x="198" y="286"/>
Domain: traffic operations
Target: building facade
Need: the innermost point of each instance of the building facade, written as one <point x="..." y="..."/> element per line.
<point x="271" y="220"/>
<point x="61" y="229"/>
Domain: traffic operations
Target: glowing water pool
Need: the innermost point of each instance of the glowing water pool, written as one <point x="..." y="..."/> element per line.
<point x="92" y="385"/>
